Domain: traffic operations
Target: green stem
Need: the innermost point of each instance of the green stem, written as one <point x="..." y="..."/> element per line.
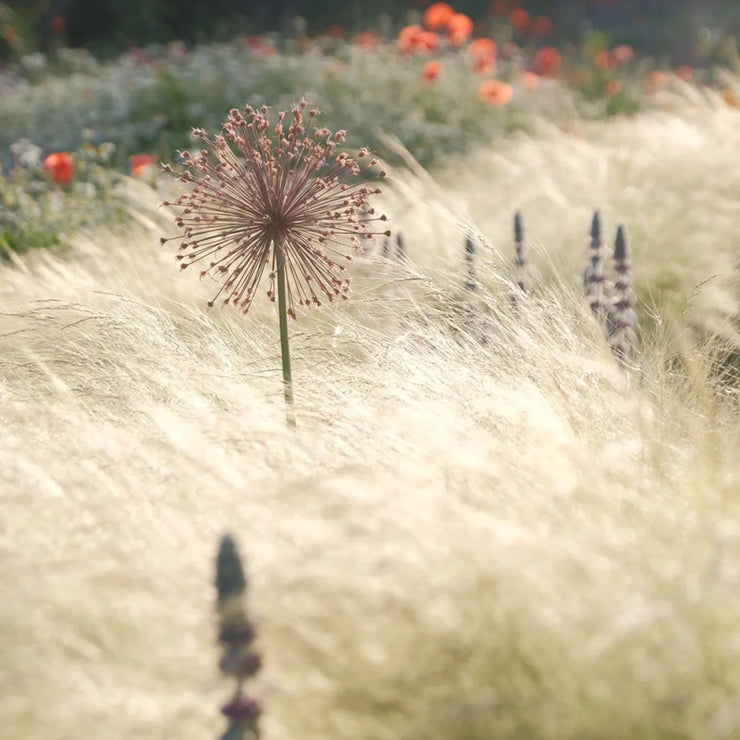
<point x="284" y="346"/>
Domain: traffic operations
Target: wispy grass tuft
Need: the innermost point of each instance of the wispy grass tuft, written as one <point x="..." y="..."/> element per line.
<point x="510" y="539"/>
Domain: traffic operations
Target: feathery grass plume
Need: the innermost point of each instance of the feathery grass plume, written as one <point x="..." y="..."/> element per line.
<point x="593" y="275"/>
<point x="236" y="634"/>
<point x="471" y="282"/>
<point x="278" y="196"/>
<point x="621" y="317"/>
<point x="521" y="260"/>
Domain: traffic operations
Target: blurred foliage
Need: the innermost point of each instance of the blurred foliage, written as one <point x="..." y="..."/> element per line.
<point x="35" y="211"/>
<point x="109" y="27"/>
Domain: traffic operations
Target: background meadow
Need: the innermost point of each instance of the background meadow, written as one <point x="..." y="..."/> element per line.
<point x="483" y="526"/>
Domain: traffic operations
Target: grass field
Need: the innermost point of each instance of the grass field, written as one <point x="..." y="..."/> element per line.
<point x="513" y="538"/>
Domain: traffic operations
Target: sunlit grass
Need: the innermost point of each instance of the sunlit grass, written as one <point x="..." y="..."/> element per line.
<point x="509" y="539"/>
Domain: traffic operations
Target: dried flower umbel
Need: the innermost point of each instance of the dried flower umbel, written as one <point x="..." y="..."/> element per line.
<point x="277" y="197"/>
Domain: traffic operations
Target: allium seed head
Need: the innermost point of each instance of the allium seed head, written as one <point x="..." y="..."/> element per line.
<point x="261" y="197"/>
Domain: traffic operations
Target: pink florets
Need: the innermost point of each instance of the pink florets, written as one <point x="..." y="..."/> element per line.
<point x="260" y="196"/>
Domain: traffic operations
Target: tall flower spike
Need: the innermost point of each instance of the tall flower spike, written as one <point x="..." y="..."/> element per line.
<point x="386" y="246"/>
<point x="275" y="196"/>
<point x="593" y="275"/>
<point x="621" y="316"/>
<point x="521" y="259"/>
<point x="235" y="635"/>
<point x="400" y="247"/>
<point x="471" y="283"/>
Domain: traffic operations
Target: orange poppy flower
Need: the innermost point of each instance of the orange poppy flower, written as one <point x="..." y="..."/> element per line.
<point x="432" y="70"/>
<point x="685" y="72"/>
<point x="259" y="47"/>
<point x="656" y="80"/>
<point x="60" y="167"/>
<point x="495" y="93"/>
<point x="623" y="54"/>
<point x="613" y="87"/>
<point x="530" y="81"/>
<point x="140" y="163"/>
<point x="519" y="19"/>
<point x="335" y="32"/>
<point x="459" y="28"/>
<point x="484" y="66"/>
<point x="482" y="48"/>
<point x="484" y="54"/>
<point x="547" y="61"/>
<point x="541" y="26"/>
<point x="730" y="97"/>
<point x="437" y="15"/>
<point x="427" y="41"/>
<point x="57" y="24"/>
<point x="603" y="59"/>
<point x="408" y="38"/>
<point x="367" y="40"/>
<point x="508" y="50"/>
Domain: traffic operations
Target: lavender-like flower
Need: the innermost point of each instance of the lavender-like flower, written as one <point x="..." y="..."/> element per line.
<point x="471" y="281"/>
<point x="277" y="197"/>
<point x="521" y="260"/>
<point x="621" y="317"/>
<point x="593" y="275"/>
<point x="400" y="247"/>
<point x="236" y="634"/>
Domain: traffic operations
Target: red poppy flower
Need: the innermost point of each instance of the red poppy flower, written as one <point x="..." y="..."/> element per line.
<point x="417" y="39"/>
<point x="367" y="40"/>
<point x="427" y="41"/>
<point x="60" y="167"/>
<point x="432" y="70"/>
<point x="437" y="15"/>
<point x="623" y="54"/>
<point x="57" y="24"/>
<point x="495" y="92"/>
<point x="335" y="32"/>
<point x="656" y="80"/>
<point x="484" y="66"/>
<point x="482" y="48"/>
<point x="484" y="54"/>
<point x="140" y="163"/>
<point x="547" y="61"/>
<point x="530" y="81"/>
<point x="519" y="19"/>
<point x="603" y="59"/>
<point x="541" y="26"/>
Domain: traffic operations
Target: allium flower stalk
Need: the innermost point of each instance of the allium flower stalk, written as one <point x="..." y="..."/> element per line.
<point x="275" y="196"/>
<point x="621" y="317"/>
